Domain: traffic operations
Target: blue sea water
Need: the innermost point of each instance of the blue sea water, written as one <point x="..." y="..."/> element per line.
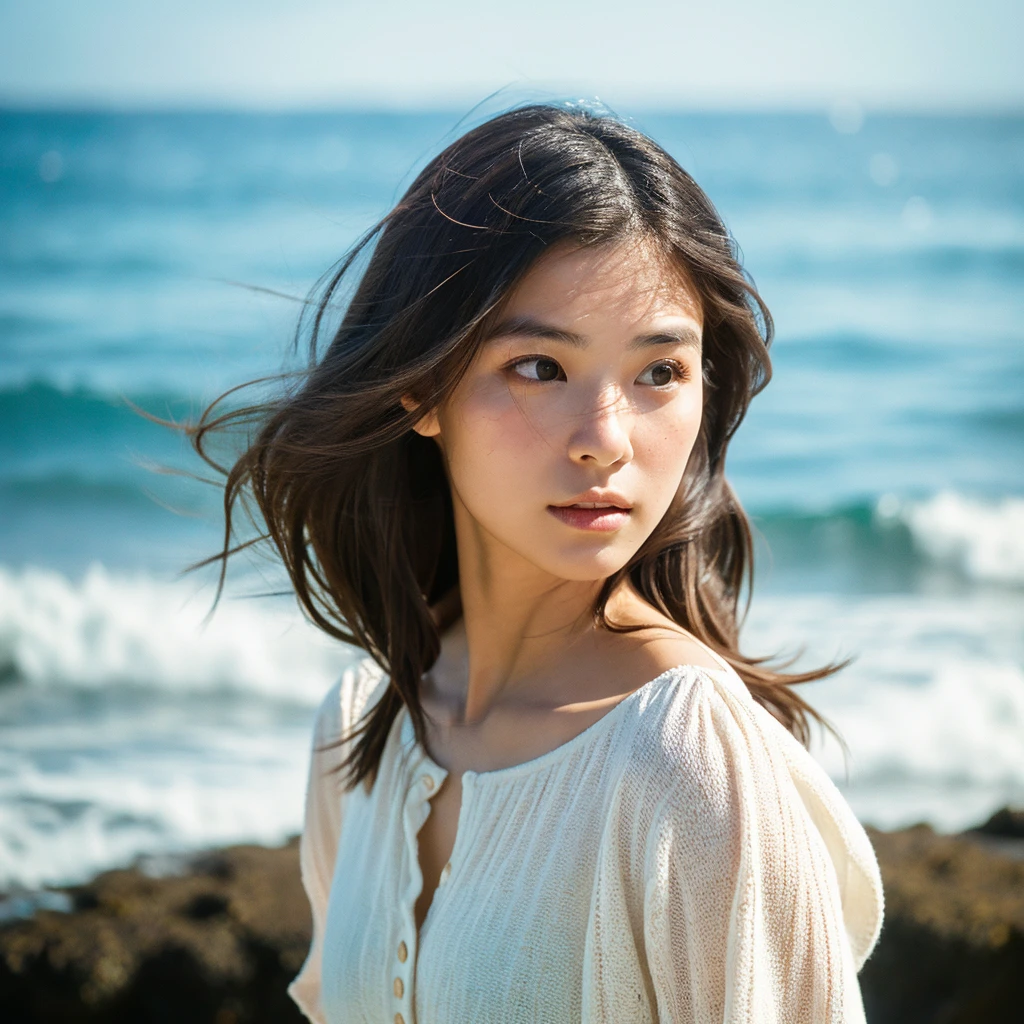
<point x="882" y="465"/>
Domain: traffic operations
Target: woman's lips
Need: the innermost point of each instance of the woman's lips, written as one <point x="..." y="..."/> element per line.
<point x="597" y="519"/>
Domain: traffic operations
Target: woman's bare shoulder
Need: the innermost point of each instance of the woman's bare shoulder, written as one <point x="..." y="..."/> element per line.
<point x="667" y="648"/>
<point x="661" y="643"/>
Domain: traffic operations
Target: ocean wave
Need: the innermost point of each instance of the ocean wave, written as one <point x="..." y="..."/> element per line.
<point x="43" y="412"/>
<point x="982" y="539"/>
<point x="161" y="779"/>
<point x="931" y="707"/>
<point x="107" y="629"/>
<point x="39" y="418"/>
<point x="69" y="488"/>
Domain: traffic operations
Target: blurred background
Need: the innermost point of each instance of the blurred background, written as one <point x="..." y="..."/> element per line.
<point x="174" y="179"/>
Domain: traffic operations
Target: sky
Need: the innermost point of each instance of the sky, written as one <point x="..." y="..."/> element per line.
<point x="752" y="54"/>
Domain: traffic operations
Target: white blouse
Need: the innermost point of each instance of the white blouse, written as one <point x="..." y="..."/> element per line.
<point x="683" y="859"/>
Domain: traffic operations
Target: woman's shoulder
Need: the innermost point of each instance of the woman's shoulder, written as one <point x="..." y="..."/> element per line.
<point x="685" y="675"/>
<point x="701" y="741"/>
<point x="356" y="691"/>
<point x="679" y="723"/>
<point x="715" y="768"/>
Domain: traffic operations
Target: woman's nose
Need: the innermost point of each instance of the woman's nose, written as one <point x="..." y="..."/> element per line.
<point x="601" y="433"/>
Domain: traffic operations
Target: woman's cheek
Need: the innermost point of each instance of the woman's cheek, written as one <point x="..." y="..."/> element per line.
<point x="497" y="425"/>
<point x="666" y="445"/>
<point x="490" y="448"/>
<point x="663" y="451"/>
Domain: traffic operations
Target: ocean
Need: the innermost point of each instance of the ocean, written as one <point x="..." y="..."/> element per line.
<point x="882" y="466"/>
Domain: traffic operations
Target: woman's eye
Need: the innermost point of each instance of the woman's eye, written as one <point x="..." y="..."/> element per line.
<point x="538" y="368"/>
<point x="660" y="374"/>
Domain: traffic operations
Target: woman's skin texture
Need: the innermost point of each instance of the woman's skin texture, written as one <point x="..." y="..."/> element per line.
<point x="589" y="391"/>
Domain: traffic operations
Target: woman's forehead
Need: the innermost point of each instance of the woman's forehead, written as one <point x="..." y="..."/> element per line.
<point x="630" y="279"/>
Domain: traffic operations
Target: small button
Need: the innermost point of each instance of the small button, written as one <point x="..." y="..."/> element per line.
<point x="428" y="782"/>
<point x="399" y="1019"/>
<point x="403" y="951"/>
<point x="399" y="988"/>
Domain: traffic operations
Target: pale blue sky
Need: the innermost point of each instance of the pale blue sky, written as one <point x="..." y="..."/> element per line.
<point x="930" y="54"/>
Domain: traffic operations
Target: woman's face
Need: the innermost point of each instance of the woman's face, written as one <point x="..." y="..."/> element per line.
<point x="567" y="439"/>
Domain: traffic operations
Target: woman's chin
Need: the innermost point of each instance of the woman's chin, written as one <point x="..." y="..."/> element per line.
<point x="586" y="565"/>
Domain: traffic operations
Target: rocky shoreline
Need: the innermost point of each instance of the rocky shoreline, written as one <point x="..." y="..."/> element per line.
<point x="218" y="941"/>
<point x="952" y="944"/>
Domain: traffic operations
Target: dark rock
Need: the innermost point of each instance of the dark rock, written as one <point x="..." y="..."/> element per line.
<point x="1006" y="823"/>
<point x="205" y="905"/>
<point x="217" y="944"/>
<point x="952" y="943"/>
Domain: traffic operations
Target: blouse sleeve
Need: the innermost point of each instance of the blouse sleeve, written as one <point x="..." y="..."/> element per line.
<point x="762" y="894"/>
<point x="318" y="845"/>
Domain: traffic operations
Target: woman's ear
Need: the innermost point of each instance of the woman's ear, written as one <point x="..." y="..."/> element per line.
<point x="427" y="425"/>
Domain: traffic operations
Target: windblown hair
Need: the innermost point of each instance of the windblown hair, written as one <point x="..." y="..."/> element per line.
<point x="357" y="504"/>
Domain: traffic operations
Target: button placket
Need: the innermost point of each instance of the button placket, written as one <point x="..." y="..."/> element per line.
<point x="424" y="777"/>
<point x="401" y="982"/>
<point x="398" y="985"/>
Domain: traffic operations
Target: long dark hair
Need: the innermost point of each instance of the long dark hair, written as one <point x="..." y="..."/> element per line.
<point x="356" y="503"/>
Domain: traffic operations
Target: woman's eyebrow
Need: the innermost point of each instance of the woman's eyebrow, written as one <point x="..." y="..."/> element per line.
<point x="531" y="328"/>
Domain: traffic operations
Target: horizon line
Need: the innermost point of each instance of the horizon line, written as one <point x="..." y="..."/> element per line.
<point x="26" y="105"/>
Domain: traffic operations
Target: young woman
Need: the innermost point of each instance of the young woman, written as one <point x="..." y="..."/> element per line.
<point x="555" y="790"/>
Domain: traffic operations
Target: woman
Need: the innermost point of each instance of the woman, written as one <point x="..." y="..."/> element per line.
<point x="554" y="790"/>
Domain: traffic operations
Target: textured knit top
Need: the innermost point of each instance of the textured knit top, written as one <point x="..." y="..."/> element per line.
<point x="683" y="859"/>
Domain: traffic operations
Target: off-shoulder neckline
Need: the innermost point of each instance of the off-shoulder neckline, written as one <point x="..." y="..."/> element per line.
<point x="563" y="750"/>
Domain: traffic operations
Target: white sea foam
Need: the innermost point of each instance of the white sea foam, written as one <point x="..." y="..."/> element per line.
<point x="213" y="748"/>
<point x="134" y="728"/>
<point x="983" y="540"/>
<point x="932" y="708"/>
<point x="130" y="791"/>
<point x="107" y="629"/>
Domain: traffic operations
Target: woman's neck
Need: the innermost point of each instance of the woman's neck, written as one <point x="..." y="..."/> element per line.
<point x="518" y="627"/>
<point x="515" y="635"/>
